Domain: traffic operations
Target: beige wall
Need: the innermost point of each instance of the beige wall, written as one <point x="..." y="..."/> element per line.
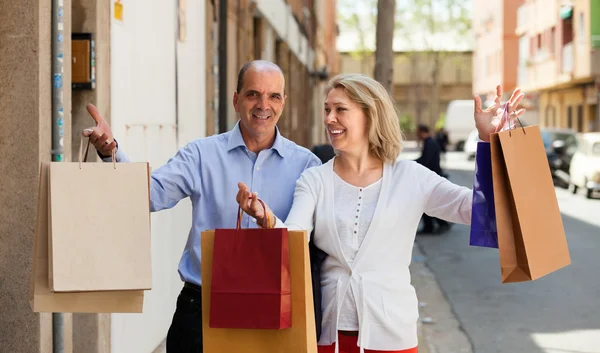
<point x="25" y="140"/>
<point x="556" y="104"/>
<point x="412" y="80"/>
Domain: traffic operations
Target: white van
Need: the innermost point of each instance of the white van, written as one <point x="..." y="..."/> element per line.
<point x="459" y="122"/>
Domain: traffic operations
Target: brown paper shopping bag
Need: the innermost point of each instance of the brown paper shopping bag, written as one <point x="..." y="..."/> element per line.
<point x="99" y="230"/>
<point x="43" y="300"/>
<point x="531" y="236"/>
<point x="299" y="338"/>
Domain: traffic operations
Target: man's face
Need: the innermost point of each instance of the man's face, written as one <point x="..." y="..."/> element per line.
<point x="260" y="102"/>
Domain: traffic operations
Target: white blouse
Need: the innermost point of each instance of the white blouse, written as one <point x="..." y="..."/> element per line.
<point x="354" y="210"/>
<point x="379" y="275"/>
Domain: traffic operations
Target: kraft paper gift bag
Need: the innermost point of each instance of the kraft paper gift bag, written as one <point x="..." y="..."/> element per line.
<point x="99" y="228"/>
<point x="531" y="236"/>
<point x="43" y="300"/>
<point x="299" y="338"/>
<point x="483" y="216"/>
<point x="250" y="286"/>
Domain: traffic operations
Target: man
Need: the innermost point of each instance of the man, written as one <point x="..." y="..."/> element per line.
<point x="441" y="138"/>
<point x="430" y="158"/>
<point x="208" y="171"/>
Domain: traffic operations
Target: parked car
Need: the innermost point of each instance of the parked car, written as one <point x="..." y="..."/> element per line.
<point x="471" y="144"/>
<point x="585" y="165"/>
<point x="560" y="145"/>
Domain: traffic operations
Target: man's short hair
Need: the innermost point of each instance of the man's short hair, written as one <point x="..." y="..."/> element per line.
<point x="423" y="128"/>
<point x="248" y="65"/>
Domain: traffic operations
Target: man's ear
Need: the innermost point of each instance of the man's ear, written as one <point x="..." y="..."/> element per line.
<point x="284" y="99"/>
<point x="235" y="102"/>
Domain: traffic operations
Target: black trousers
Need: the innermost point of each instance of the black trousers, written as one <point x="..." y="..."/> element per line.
<point x="185" y="333"/>
<point x="428" y="223"/>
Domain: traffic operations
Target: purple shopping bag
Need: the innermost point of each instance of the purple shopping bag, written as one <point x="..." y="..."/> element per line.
<point x="483" y="218"/>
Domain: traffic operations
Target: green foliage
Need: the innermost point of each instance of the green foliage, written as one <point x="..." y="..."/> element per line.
<point x="441" y="122"/>
<point x="359" y="19"/>
<point x="407" y="123"/>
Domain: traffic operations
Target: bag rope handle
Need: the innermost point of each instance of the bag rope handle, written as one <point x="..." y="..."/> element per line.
<point x="241" y="213"/>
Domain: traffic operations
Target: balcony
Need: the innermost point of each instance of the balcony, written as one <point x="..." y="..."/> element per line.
<point x="522" y="73"/>
<point x="522" y="19"/>
<point x="567" y="59"/>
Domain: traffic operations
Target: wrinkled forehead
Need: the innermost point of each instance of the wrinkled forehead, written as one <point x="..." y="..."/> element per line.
<point x="264" y="79"/>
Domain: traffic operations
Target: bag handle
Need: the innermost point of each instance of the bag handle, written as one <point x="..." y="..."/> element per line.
<point x="241" y="213"/>
<point x="506" y="120"/>
<point x="87" y="148"/>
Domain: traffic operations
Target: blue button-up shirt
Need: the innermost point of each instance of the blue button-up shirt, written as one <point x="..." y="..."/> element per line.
<point x="208" y="171"/>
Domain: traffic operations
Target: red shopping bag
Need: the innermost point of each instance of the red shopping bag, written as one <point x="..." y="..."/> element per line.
<point x="251" y="279"/>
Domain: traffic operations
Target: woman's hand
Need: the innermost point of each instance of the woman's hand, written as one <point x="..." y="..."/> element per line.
<point x="487" y="121"/>
<point x="250" y="203"/>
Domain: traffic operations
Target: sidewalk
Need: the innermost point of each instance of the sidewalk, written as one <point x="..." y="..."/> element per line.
<point x="439" y="330"/>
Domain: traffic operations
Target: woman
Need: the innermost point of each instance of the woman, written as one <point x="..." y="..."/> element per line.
<point x="364" y="206"/>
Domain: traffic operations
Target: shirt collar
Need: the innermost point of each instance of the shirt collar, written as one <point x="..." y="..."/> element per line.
<point x="236" y="140"/>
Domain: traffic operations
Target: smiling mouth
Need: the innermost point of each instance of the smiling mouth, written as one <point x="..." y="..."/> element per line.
<point x="336" y="132"/>
<point x="261" y="116"/>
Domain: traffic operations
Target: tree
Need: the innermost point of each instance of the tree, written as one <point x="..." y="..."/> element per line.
<point x="359" y="20"/>
<point x="437" y="26"/>
<point x="384" y="41"/>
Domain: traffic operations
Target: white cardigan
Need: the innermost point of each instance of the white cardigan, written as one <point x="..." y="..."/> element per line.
<point x="380" y="278"/>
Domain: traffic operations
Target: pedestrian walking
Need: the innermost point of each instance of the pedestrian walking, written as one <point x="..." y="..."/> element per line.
<point x="430" y="159"/>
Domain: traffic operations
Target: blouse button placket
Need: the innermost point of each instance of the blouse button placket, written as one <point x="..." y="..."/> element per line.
<point x="355" y="231"/>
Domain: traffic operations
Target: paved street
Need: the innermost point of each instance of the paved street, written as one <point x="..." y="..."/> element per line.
<point x="559" y="313"/>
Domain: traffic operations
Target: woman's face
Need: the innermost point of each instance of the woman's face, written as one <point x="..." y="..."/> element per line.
<point x="346" y="122"/>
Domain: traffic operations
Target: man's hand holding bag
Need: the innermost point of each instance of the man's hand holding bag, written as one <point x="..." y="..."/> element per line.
<point x="251" y="278"/>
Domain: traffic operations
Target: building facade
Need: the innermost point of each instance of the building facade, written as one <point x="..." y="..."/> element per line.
<point x="495" y="55"/>
<point x="158" y="77"/>
<point x="424" y="82"/>
<point x="559" y="58"/>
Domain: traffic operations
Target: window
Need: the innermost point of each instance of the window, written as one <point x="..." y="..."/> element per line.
<point x="581" y="29"/>
<point x="552" y="40"/>
<point x="580" y="118"/>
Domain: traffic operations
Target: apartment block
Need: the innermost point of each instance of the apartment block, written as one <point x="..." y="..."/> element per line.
<point x="559" y="58"/>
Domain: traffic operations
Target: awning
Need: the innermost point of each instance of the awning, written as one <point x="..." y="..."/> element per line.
<point x="566" y="12"/>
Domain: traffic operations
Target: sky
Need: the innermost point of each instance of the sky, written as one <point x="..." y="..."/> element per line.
<point x="408" y="39"/>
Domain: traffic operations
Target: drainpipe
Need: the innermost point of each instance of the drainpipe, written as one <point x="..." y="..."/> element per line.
<point x="58" y="344"/>
<point x="223" y="66"/>
<point x="215" y="68"/>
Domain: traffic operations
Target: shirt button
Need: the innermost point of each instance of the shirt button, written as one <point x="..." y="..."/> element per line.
<point x="253" y="220"/>
<point x="257" y="168"/>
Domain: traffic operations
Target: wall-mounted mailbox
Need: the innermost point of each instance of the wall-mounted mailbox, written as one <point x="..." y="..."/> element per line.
<point x="83" y="66"/>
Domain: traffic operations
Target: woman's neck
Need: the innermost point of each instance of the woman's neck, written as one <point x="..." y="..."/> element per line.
<point x="358" y="163"/>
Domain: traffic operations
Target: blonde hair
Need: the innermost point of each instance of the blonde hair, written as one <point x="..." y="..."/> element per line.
<point x="385" y="135"/>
